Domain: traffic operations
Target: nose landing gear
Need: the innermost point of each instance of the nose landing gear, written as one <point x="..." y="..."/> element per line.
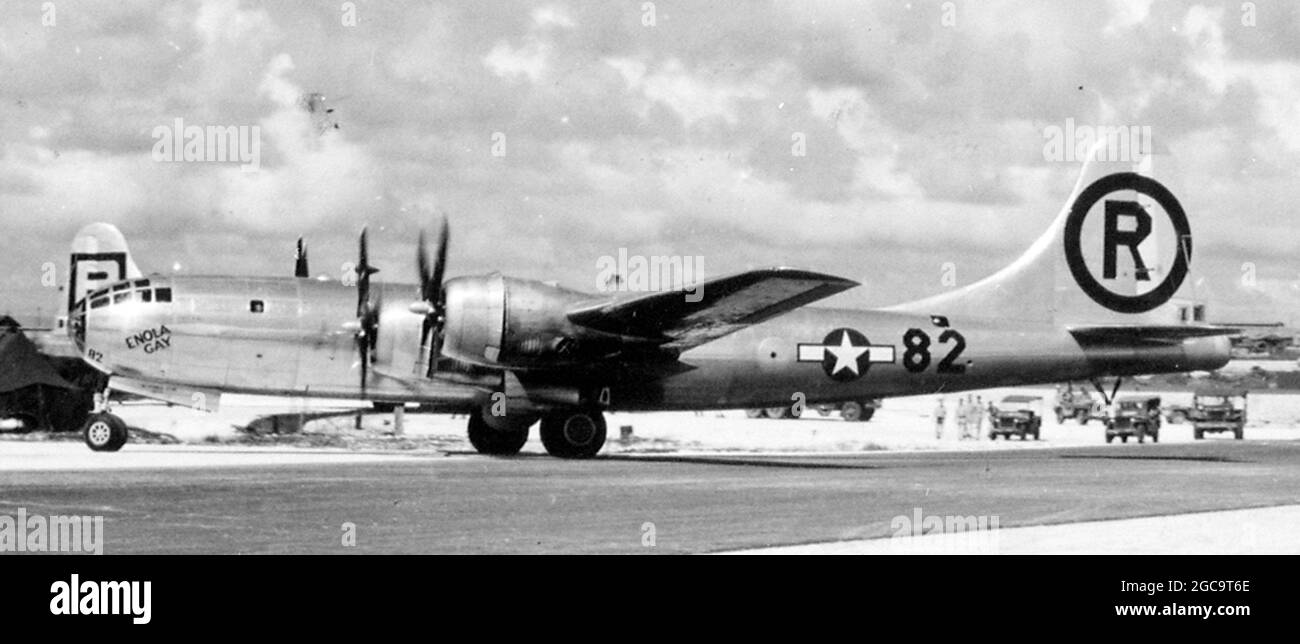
<point x="104" y="432"/>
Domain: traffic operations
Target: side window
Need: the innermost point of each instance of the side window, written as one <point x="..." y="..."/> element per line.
<point x="98" y="302"/>
<point x="163" y="295"/>
<point x="256" y="306"/>
<point x="146" y="295"/>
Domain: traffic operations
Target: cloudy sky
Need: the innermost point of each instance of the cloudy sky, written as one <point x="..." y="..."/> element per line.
<point x="665" y="127"/>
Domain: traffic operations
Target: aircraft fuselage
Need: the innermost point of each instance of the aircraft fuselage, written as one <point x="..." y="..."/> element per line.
<point x="287" y="336"/>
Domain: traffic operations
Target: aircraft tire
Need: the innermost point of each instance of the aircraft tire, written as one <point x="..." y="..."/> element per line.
<point x="1109" y="439"/>
<point x="851" y="411"/>
<point x="867" y="413"/>
<point x="104" y="432"/>
<point x="1237" y="433"/>
<point x="1198" y="434"/>
<point x="494" y="442"/>
<point x="776" y="412"/>
<point x="754" y="413"/>
<point x="578" y="434"/>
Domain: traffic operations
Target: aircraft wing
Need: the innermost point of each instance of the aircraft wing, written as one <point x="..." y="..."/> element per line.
<point x="723" y="305"/>
<point x="1145" y="334"/>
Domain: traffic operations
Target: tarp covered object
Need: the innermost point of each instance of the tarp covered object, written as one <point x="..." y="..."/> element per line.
<point x="21" y="365"/>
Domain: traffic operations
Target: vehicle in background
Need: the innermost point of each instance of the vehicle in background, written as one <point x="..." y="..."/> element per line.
<point x="1017" y="416"/>
<point x="852" y="410"/>
<point x="1137" y="416"/>
<point x="1075" y="402"/>
<point x="1218" y="409"/>
<point x="1177" y="414"/>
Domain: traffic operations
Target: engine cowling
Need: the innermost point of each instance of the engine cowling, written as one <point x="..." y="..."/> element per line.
<point x="475" y="324"/>
<point x="497" y="321"/>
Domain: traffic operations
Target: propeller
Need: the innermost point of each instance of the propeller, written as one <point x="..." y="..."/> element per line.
<point x="433" y="300"/>
<point x="367" y="312"/>
<point x="300" y="261"/>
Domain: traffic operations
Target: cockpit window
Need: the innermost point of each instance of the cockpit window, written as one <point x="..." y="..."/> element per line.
<point x="121" y="287"/>
<point x="140" y="283"/>
<point x="98" y="302"/>
<point x="124" y="296"/>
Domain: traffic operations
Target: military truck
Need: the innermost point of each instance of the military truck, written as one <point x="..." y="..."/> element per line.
<point x="1218" y="409"/>
<point x="1137" y="416"/>
<point x="1017" y="416"/>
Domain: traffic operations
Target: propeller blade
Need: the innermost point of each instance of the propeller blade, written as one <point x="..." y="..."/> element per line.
<point x="300" y="260"/>
<point x="440" y="266"/>
<point x="431" y="278"/>
<point x="367" y="313"/>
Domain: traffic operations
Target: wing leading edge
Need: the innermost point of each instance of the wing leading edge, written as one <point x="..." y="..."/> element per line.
<point x="721" y="306"/>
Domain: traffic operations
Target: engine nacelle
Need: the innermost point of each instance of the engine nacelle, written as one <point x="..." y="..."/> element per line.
<point x="475" y="325"/>
<point x="498" y="321"/>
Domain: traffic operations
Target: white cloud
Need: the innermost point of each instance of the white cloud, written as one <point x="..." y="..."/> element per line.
<point x="529" y="61"/>
<point x="687" y="93"/>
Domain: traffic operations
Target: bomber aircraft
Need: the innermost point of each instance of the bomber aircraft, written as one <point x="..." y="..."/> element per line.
<point x="1086" y="301"/>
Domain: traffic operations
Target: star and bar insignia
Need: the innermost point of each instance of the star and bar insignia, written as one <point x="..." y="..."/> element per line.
<point x="845" y="354"/>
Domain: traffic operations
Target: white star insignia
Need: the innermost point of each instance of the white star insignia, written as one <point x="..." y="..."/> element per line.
<point x="846" y="355"/>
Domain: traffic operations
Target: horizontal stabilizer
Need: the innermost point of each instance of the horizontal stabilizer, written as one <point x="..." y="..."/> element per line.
<point x="1121" y="335"/>
<point x="711" y="309"/>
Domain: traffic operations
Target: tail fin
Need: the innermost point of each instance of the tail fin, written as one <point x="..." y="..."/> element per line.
<point x="99" y="257"/>
<point x="1117" y="253"/>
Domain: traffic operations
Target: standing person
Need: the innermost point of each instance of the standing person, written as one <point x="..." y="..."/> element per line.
<point x="993" y="416"/>
<point x="963" y="419"/>
<point x="939" y="415"/>
<point x="977" y="416"/>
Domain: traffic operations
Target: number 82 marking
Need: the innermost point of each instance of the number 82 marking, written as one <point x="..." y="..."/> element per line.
<point x="916" y="357"/>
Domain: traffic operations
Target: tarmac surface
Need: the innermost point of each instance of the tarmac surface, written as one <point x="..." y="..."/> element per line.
<point x="227" y="499"/>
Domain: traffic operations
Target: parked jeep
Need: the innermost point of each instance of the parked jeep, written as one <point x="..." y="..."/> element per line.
<point x="1134" y="416"/>
<point x="1218" y="409"/>
<point x="1077" y="403"/>
<point x="1017" y="415"/>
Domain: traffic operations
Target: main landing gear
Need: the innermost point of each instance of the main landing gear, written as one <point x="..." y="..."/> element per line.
<point x="575" y="433"/>
<point x="104" y="432"/>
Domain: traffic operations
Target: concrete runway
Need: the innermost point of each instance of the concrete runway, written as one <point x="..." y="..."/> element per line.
<point x="658" y="503"/>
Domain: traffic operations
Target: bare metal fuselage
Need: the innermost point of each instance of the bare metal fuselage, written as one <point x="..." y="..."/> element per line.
<point x="291" y="337"/>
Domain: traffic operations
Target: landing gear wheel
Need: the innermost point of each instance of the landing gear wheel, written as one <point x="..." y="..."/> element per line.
<point x="1237" y="433"/>
<point x="851" y="411"/>
<point x="777" y="412"/>
<point x="494" y="442"/>
<point x="578" y="434"/>
<point x="104" y="432"/>
<point x="1123" y="439"/>
<point x="754" y="413"/>
<point x="1109" y="438"/>
<point x="867" y="413"/>
<point x="1198" y="434"/>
